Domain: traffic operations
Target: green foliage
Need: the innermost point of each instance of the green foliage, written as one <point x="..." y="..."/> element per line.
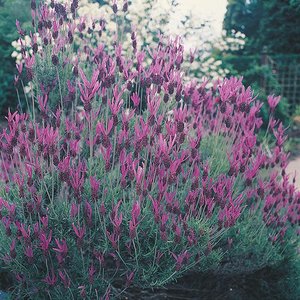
<point x="215" y="149"/>
<point x="261" y="76"/>
<point x="52" y="78"/>
<point x="274" y="24"/>
<point x="252" y="250"/>
<point x="10" y="10"/>
<point x="275" y="266"/>
<point x="101" y="2"/>
<point x="297" y="111"/>
<point x="146" y="245"/>
<point x="288" y="284"/>
<point x="243" y="16"/>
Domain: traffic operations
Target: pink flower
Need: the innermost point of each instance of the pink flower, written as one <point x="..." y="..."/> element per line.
<point x="88" y="212"/>
<point x="29" y="253"/>
<point x="113" y="239"/>
<point x="80" y="233"/>
<point x="19" y="68"/>
<point x="44" y="221"/>
<point x="180" y="259"/>
<point x="273" y="101"/>
<point x="50" y="279"/>
<point x="20" y="30"/>
<point x="74" y="210"/>
<point x="129" y="278"/>
<point x="65" y="278"/>
<point x="45" y="242"/>
<point x="132" y="229"/>
<point x="83" y="293"/>
<point x="95" y="184"/>
<point x="42" y="100"/>
<point x="62" y="247"/>
<point x="12" y="249"/>
<point x="92" y="272"/>
<point x="116" y="103"/>
<point x="136" y="211"/>
<point x="135" y="99"/>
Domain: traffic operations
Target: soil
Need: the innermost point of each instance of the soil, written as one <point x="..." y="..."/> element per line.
<point x="261" y="285"/>
<point x="5" y="281"/>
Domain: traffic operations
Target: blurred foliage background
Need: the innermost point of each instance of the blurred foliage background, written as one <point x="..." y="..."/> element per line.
<point x="271" y="28"/>
<point x="10" y="10"/>
<point x="274" y="24"/>
<point x="269" y="60"/>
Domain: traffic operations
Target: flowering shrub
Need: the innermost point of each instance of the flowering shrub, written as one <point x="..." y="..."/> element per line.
<point x="152" y="177"/>
<point x="149" y="19"/>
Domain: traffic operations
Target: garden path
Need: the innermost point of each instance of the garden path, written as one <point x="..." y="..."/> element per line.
<point x="293" y="166"/>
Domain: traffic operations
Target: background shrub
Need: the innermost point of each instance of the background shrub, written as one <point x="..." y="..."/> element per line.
<point x="10" y="10"/>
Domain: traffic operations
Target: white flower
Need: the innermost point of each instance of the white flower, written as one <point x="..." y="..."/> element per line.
<point x="27" y="40"/>
<point x="14" y="54"/>
<point x="27" y="88"/>
<point x="19" y="57"/>
<point x="16" y="45"/>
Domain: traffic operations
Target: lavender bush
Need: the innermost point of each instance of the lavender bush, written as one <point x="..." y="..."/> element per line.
<point x="122" y="173"/>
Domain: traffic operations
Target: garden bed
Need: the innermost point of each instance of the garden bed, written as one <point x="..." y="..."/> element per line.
<point x="265" y="284"/>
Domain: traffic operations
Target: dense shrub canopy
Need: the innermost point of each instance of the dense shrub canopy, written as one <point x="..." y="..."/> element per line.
<point x="123" y="173"/>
